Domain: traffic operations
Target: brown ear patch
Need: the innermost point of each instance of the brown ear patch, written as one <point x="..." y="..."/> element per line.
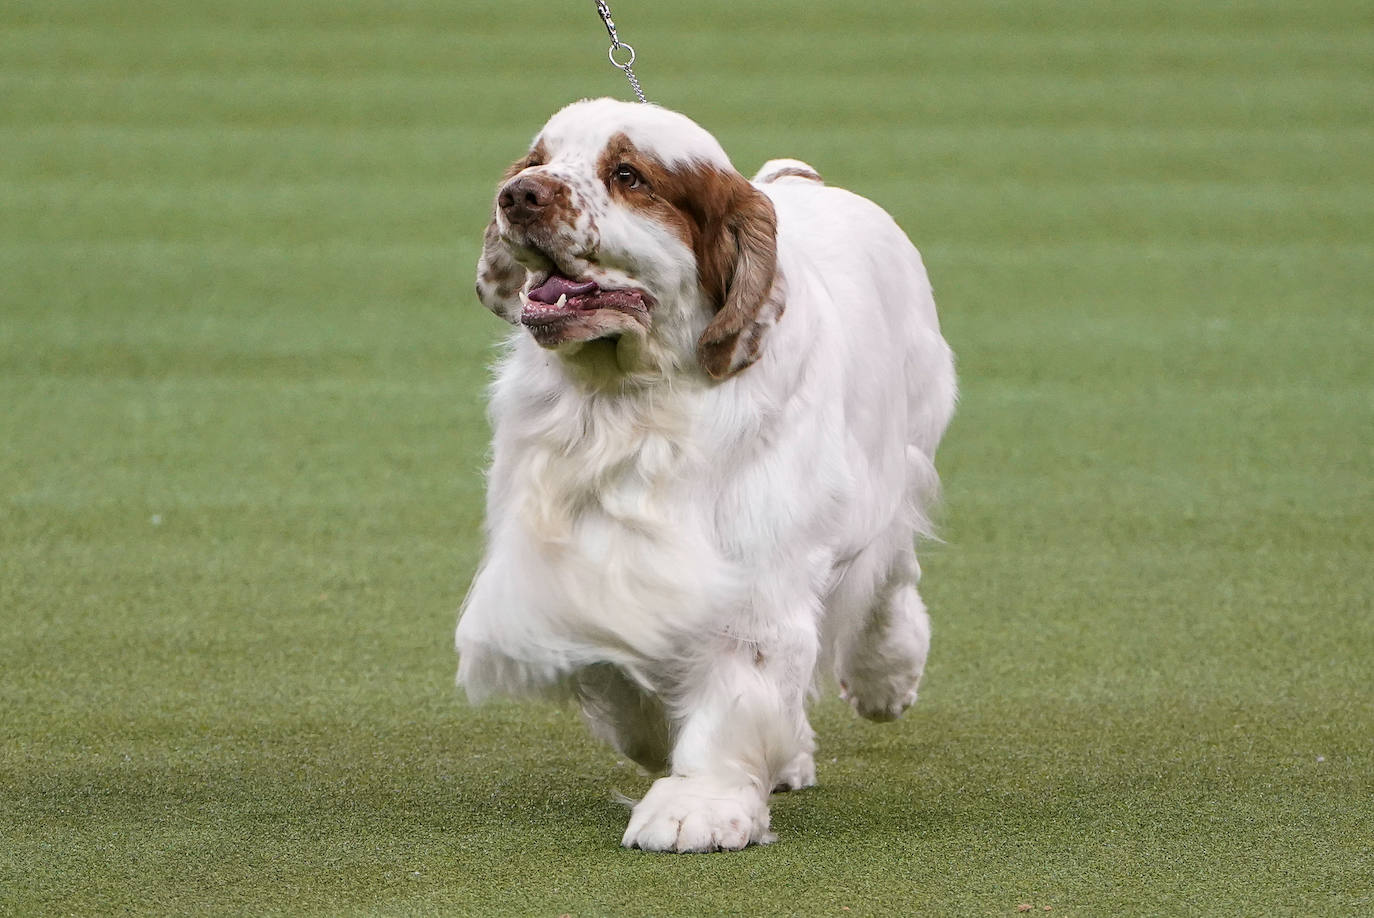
<point x="742" y="265"/>
<point x="726" y="347"/>
<point x="499" y="276"/>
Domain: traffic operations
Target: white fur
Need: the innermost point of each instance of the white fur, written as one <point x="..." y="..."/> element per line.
<point x="681" y="555"/>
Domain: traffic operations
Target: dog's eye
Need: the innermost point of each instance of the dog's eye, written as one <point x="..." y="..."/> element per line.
<point x="626" y="176"/>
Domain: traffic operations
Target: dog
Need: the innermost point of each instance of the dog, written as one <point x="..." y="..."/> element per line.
<point x="714" y="430"/>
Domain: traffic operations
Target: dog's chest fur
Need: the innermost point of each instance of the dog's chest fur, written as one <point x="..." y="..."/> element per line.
<point x="573" y="456"/>
<point x="606" y="489"/>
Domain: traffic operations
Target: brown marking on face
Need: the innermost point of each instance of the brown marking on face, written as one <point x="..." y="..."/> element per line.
<point x="656" y="195"/>
<point x="730" y="227"/>
<point x="537" y="156"/>
<point x="694" y="201"/>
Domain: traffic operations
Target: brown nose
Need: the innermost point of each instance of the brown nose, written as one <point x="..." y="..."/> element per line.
<point x="526" y="197"/>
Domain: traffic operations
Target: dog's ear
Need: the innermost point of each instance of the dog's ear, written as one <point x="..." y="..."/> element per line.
<point x="499" y="276"/>
<point x="737" y="262"/>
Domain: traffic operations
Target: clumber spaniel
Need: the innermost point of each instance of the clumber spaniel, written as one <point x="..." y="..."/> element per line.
<point x="714" y="432"/>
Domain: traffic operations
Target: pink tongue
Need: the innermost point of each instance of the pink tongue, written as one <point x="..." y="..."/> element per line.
<point x="557" y="285"/>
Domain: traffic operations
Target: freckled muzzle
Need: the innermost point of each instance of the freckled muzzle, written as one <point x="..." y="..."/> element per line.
<point x="550" y="231"/>
<point x="544" y="223"/>
<point x="531" y="197"/>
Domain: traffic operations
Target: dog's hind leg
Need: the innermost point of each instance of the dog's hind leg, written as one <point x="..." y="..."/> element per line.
<point x="799" y="773"/>
<point x="880" y="660"/>
<point x="624" y="715"/>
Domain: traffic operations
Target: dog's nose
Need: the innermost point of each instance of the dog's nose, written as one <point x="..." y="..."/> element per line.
<point x="525" y="198"/>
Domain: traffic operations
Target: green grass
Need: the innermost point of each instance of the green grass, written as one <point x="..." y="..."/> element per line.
<point x="241" y="374"/>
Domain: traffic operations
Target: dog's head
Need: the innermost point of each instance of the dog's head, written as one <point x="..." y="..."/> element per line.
<point x="626" y="224"/>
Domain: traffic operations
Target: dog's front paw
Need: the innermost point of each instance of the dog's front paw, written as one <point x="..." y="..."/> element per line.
<point x="698" y="814"/>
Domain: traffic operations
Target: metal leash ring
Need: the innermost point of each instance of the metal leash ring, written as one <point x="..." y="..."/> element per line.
<point x="616" y="47"/>
<point x="604" y="11"/>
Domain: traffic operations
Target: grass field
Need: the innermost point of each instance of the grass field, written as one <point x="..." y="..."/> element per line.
<point x="241" y="373"/>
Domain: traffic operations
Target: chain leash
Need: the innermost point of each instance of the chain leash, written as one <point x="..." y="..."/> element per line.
<point x="616" y="45"/>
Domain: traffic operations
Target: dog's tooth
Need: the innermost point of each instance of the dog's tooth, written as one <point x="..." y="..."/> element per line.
<point x="562" y="301"/>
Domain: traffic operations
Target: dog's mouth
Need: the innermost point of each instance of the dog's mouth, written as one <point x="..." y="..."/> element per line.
<point x="559" y="309"/>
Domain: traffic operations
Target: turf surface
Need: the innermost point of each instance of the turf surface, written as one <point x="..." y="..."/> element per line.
<point x="241" y="371"/>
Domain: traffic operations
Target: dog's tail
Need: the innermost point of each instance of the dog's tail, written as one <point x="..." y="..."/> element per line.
<point x="776" y="170"/>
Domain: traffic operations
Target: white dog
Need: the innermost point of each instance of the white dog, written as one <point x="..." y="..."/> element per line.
<point x="714" y="433"/>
